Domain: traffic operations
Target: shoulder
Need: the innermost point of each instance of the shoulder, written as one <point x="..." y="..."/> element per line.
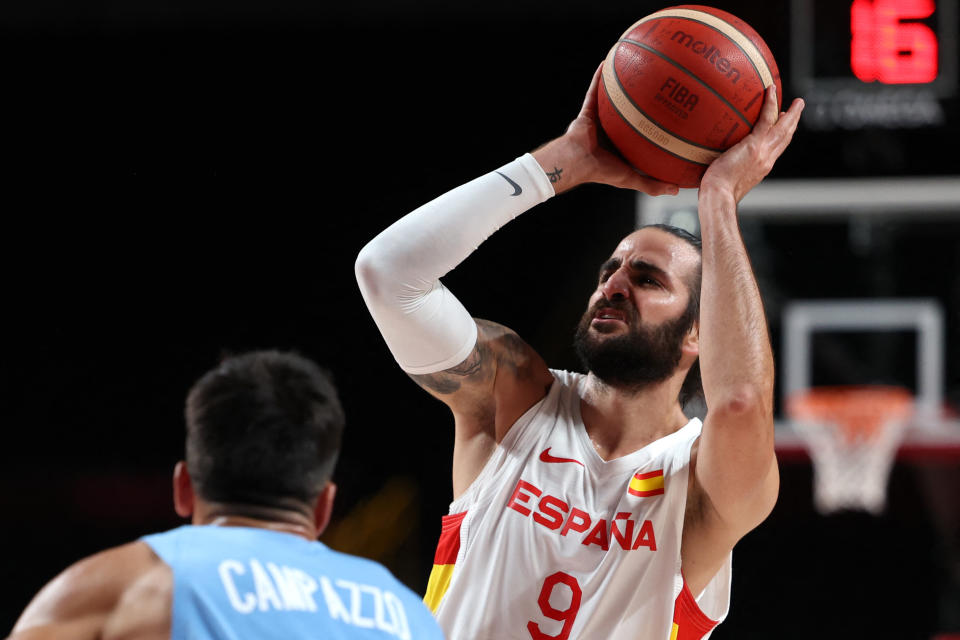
<point x="418" y="615"/>
<point x="510" y="350"/>
<point x="360" y="568"/>
<point x="371" y="573"/>
<point x="88" y="590"/>
<point x="499" y="351"/>
<point x="367" y="571"/>
<point x="107" y="573"/>
<point x="498" y="380"/>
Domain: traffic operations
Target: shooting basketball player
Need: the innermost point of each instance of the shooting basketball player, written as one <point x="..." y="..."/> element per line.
<point x="263" y="435"/>
<point x="589" y="506"/>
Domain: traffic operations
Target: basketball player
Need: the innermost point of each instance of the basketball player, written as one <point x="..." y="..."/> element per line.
<point x="589" y="506"/>
<point x="263" y="435"/>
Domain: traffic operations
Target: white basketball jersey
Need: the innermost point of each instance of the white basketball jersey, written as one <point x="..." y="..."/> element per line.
<point x="551" y="541"/>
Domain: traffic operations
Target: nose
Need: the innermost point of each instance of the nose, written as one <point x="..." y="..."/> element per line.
<point x="617" y="286"/>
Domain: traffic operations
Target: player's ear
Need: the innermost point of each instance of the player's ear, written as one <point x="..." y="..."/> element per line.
<point x="183" y="497"/>
<point x="324" y="507"/>
<point x="691" y="340"/>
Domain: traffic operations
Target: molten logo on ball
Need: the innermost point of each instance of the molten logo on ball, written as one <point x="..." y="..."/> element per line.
<point x="709" y="52"/>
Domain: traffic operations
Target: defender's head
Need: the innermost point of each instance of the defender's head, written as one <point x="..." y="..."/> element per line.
<point x="641" y="323"/>
<point x="263" y="431"/>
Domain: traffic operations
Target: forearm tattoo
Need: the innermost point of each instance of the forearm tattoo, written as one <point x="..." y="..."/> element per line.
<point x="555" y="174"/>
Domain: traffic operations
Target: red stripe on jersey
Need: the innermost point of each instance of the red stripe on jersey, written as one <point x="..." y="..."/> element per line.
<point x="692" y="623"/>
<point x="645" y="494"/>
<point x="650" y="474"/>
<point x="449" y="545"/>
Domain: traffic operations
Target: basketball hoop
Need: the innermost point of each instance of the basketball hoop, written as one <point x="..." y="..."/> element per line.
<point x="852" y="434"/>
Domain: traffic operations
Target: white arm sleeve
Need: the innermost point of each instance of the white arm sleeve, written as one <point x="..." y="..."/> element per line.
<point x="425" y="326"/>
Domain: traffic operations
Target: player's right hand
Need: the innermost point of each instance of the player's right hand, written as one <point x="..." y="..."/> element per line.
<point x="581" y="156"/>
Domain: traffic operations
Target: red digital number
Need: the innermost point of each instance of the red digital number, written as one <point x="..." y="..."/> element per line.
<point x="566" y="616"/>
<point x="886" y="49"/>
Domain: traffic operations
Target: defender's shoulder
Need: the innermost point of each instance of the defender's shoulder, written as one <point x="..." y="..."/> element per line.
<point x="82" y="597"/>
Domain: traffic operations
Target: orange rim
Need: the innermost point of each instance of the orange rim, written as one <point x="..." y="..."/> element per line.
<point x="859" y="411"/>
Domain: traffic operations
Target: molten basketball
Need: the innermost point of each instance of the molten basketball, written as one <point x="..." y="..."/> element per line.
<point x="681" y="86"/>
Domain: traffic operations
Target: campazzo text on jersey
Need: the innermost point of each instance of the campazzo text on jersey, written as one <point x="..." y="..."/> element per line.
<point x="260" y="586"/>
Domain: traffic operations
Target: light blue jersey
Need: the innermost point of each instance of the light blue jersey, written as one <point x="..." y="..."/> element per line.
<point x="234" y="583"/>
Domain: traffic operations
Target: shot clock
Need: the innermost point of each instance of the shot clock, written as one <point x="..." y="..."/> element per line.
<point x="874" y="63"/>
<point x="890" y="44"/>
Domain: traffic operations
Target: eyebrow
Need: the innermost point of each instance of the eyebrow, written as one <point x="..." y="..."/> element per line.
<point x="610" y="265"/>
<point x="635" y="265"/>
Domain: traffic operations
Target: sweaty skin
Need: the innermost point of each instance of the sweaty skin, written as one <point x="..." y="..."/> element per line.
<point x="125" y="592"/>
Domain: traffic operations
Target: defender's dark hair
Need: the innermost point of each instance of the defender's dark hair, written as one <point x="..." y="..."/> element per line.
<point x="692" y="384"/>
<point x="262" y="428"/>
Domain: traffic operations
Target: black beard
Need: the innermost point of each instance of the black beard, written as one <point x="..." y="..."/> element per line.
<point x="635" y="359"/>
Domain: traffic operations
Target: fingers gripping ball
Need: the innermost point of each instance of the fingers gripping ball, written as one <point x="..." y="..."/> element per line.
<point x="681" y="86"/>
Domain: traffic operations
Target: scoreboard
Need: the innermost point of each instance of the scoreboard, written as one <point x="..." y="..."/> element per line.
<point x="874" y="63"/>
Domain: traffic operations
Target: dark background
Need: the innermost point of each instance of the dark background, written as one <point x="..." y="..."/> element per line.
<point x="189" y="179"/>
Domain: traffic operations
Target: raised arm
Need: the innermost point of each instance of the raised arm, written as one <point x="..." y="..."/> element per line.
<point x="736" y="470"/>
<point x="430" y="333"/>
<point x="483" y="371"/>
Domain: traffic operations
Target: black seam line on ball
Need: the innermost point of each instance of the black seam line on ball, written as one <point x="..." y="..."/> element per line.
<point x="735" y="43"/>
<point x="646" y="47"/>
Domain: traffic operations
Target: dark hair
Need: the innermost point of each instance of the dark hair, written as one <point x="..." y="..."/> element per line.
<point x="692" y="384"/>
<point x="263" y="427"/>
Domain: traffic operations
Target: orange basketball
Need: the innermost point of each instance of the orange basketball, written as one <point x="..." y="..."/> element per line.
<point x="681" y="86"/>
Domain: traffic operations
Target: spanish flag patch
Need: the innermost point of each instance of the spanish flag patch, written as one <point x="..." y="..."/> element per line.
<point x="644" y="485"/>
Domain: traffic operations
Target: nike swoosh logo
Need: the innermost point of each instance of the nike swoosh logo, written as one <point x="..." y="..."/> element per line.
<point x="546" y="457"/>
<point x="517" y="189"/>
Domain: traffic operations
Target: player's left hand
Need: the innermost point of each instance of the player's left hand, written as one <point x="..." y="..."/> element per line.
<point x="605" y="166"/>
<point x="741" y="167"/>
